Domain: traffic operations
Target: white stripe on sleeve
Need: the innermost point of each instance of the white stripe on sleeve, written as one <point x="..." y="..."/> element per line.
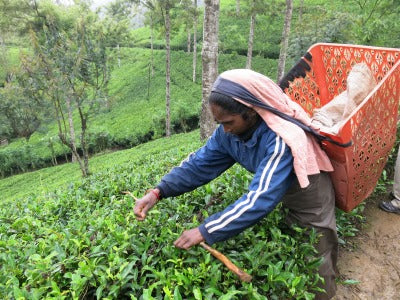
<point x="252" y="196"/>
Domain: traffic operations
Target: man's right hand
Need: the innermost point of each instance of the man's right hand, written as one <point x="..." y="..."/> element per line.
<point x="143" y="205"/>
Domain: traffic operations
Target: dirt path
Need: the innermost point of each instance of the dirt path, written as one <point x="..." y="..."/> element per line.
<point x="375" y="260"/>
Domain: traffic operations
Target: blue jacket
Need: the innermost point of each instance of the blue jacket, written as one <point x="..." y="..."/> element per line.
<point x="264" y="154"/>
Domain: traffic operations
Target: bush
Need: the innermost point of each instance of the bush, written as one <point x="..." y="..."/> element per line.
<point x="84" y="242"/>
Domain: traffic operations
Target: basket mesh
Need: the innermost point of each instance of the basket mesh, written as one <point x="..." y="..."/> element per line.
<point x="372" y="127"/>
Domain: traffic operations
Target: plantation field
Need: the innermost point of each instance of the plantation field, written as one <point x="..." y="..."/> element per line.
<point x="66" y="237"/>
<point x="135" y="112"/>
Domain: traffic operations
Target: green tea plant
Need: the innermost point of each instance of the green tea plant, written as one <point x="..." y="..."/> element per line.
<point x="84" y="242"/>
<point x="81" y="240"/>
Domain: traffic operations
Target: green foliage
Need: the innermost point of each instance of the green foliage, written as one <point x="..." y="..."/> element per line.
<point x="8" y="63"/>
<point x="83" y="240"/>
<point x="118" y="124"/>
<point x="233" y="36"/>
<point x="23" y="112"/>
<point x="45" y="180"/>
<point x="376" y="22"/>
<point x="349" y="224"/>
<point x="133" y="89"/>
<point x="67" y="238"/>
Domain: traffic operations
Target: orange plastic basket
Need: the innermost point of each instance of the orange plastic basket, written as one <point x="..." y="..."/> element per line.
<point x="372" y="127"/>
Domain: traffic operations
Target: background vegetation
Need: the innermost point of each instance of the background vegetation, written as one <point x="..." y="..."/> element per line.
<point x="65" y="237"/>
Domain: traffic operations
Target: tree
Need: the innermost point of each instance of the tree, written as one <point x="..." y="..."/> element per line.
<point x="376" y="22"/>
<point x="186" y="16"/>
<point x="14" y="15"/>
<point x="285" y="39"/>
<point x="22" y="113"/>
<point x="255" y="7"/>
<point x="70" y="67"/>
<point x="167" y="22"/>
<point x="251" y="34"/>
<point x="166" y="6"/>
<point x="194" y="39"/>
<point x="190" y="13"/>
<point x="210" y="63"/>
<point x="151" y="19"/>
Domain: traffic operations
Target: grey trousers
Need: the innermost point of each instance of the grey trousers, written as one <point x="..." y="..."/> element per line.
<point x="396" y="184"/>
<point x="314" y="207"/>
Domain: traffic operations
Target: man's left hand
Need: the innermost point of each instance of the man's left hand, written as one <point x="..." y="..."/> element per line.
<point x="189" y="238"/>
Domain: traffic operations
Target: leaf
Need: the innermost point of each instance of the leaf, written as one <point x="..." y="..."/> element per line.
<point x="127" y="269"/>
<point x="99" y="292"/>
<point x="296" y="281"/>
<point x="35" y="257"/>
<point x="229" y="295"/>
<point x="351" y="281"/>
<point x="197" y="294"/>
<point x="177" y="294"/>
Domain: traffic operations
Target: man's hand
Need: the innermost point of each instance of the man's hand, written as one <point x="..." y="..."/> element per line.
<point x="143" y="205"/>
<point x="189" y="238"/>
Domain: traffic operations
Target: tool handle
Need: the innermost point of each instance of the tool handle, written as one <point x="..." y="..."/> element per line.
<point x="230" y="265"/>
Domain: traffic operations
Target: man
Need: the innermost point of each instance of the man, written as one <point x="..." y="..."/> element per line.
<point x="393" y="206"/>
<point x="288" y="164"/>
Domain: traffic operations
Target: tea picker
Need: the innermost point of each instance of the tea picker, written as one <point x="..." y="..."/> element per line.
<point x="267" y="129"/>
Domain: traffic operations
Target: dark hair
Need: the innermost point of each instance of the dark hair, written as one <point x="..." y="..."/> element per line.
<point x="230" y="105"/>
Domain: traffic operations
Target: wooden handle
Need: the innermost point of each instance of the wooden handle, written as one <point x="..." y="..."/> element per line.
<point x="230" y="265"/>
<point x="130" y="194"/>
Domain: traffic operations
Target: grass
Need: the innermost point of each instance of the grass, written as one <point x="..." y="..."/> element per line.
<point x="48" y="179"/>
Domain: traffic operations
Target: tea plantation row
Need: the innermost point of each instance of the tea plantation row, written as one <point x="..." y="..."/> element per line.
<point x="83" y="242"/>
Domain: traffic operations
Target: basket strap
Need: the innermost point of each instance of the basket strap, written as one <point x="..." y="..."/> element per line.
<point x="235" y="90"/>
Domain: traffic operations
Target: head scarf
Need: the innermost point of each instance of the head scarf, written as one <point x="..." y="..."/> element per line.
<point x="249" y="88"/>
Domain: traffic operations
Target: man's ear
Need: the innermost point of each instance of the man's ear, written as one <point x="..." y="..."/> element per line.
<point x="253" y="113"/>
<point x="249" y="114"/>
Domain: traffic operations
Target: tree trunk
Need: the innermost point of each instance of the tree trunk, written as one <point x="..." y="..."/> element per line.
<point x="237" y="8"/>
<point x="84" y="146"/>
<point x="168" y="72"/>
<point x="72" y="143"/>
<point x="151" y="44"/>
<point x="210" y="63"/>
<point x="194" y="40"/>
<point x="188" y="42"/>
<point x="251" y="37"/>
<point x="285" y="39"/>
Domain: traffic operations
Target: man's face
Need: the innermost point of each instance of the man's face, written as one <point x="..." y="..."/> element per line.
<point x="232" y="123"/>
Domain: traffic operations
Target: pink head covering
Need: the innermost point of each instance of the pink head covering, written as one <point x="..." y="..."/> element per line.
<point x="308" y="156"/>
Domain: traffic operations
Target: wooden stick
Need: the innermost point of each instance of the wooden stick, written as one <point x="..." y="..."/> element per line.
<point x="230" y="265"/>
<point x="130" y="194"/>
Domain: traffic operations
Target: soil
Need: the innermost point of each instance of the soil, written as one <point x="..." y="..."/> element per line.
<point x="373" y="260"/>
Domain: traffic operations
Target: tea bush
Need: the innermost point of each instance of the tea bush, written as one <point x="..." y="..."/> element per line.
<point x="84" y="242"/>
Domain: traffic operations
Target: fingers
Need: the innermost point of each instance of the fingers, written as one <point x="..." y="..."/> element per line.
<point x="183" y="243"/>
<point x="189" y="238"/>
<point x="140" y="211"/>
<point x="143" y="205"/>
